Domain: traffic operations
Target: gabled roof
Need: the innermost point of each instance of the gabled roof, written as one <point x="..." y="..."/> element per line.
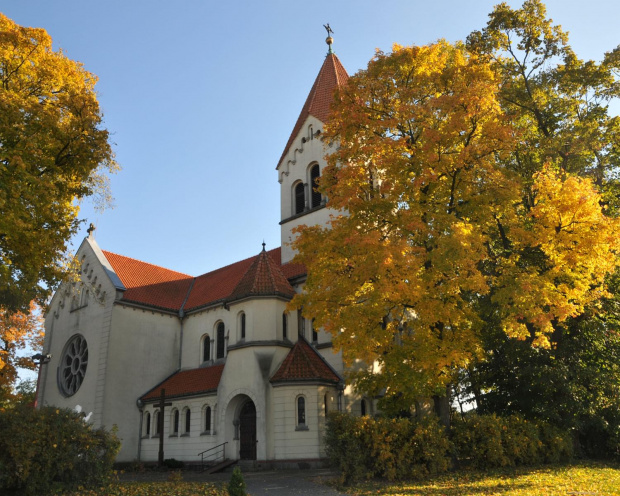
<point x="162" y="288"/>
<point x="149" y="284"/>
<point x="188" y="382"/>
<point x="331" y="76"/>
<point x="304" y="363"/>
<point x="263" y="278"/>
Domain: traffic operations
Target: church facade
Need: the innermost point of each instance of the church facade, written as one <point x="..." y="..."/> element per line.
<point x="238" y="370"/>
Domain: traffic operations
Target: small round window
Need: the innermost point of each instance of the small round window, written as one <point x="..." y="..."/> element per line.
<point x="73" y="365"/>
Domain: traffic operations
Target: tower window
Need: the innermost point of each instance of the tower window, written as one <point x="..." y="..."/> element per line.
<point x="315" y="196"/>
<point x="315" y="335"/>
<point x="284" y="326"/>
<point x="299" y="198"/>
<point x="242" y="323"/>
<point x="363" y="407"/>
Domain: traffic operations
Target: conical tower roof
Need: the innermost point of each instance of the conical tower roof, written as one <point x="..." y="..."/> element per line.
<point x="263" y="278"/>
<point x="331" y="76"/>
<point x="304" y="363"/>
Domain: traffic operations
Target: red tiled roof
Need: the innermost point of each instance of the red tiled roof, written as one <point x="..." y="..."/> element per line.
<point x="150" y="284"/>
<point x="303" y="363"/>
<point x="331" y="76"/>
<point x="163" y="288"/>
<point x="188" y="382"/>
<point x="263" y="278"/>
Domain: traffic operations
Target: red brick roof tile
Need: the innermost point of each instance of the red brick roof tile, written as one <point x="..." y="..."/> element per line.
<point x="188" y="382"/>
<point x="158" y="287"/>
<point x="331" y="76"/>
<point x="304" y="363"/>
<point x="263" y="278"/>
<point x="150" y="284"/>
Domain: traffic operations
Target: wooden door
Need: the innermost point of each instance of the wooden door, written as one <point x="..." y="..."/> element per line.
<point x="247" y="431"/>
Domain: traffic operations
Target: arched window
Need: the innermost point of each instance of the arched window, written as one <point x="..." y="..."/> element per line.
<point x="206" y="348"/>
<point x="175" y="422"/>
<point x="208" y="419"/>
<point x="301" y="411"/>
<point x="284" y="326"/>
<point x="156" y="420"/>
<point x="220" y="340"/>
<point x="147" y="423"/>
<point x="315" y="196"/>
<point x="299" y="198"/>
<point x="363" y="407"/>
<point x="325" y="404"/>
<point x="188" y="418"/>
<point x="242" y="324"/>
<point x="315" y="335"/>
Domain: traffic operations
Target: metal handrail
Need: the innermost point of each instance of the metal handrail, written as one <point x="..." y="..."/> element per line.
<point x="215" y="454"/>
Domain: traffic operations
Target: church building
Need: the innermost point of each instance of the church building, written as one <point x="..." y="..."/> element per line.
<point x="239" y="372"/>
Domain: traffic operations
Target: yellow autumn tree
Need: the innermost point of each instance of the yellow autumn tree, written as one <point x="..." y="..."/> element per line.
<point x="18" y="331"/>
<point x="432" y="221"/>
<point x="53" y="153"/>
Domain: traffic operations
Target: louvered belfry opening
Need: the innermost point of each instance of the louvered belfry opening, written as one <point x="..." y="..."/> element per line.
<point x="299" y="198"/>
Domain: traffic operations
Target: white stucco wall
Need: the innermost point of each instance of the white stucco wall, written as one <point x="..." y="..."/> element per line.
<point x="64" y="319"/>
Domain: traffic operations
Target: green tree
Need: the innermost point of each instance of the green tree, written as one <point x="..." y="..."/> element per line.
<point x="53" y="153"/>
<point x="459" y="209"/>
<point x="560" y="108"/>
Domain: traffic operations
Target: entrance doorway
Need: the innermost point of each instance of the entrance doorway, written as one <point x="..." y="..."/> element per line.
<point x="247" y="431"/>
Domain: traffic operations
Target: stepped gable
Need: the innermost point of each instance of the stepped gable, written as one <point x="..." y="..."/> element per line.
<point x="263" y="278"/>
<point x="150" y="284"/>
<point x="304" y="363"/>
<point x="331" y="76"/>
<point x="188" y="382"/>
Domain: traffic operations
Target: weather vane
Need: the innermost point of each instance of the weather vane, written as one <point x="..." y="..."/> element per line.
<point x="329" y="40"/>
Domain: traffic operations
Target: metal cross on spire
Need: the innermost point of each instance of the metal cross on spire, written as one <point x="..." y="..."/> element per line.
<point x="329" y="40"/>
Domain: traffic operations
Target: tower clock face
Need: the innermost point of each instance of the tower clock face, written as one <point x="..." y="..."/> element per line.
<point x="73" y="365"/>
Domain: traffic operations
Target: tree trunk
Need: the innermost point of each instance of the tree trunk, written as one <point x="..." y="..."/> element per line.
<point x="441" y="405"/>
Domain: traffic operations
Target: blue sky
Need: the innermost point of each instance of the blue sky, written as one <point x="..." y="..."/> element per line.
<point x="201" y="96"/>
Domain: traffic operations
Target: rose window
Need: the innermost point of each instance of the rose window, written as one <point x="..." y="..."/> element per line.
<point x="73" y="365"/>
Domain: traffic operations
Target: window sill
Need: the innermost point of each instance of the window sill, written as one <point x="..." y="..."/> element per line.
<point x="207" y="433"/>
<point x="302" y="427"/>
<point x="176" y="434"/>
<point x="185" y="434"/>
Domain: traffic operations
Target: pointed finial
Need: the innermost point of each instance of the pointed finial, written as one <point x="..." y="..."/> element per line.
<point x="263" y="245"/>
<point x="329" y="40"/>
<point x="90" y="230"/>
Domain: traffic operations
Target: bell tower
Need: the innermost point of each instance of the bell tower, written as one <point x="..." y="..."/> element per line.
<point x="302" y="161"/>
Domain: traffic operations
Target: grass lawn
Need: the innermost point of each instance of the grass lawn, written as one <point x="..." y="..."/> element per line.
<point x="583" y="479"/>
<point x="156" y="489"/>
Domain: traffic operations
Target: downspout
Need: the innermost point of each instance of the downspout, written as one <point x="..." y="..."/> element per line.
<point x="181" y="317"/>
<point x="141" y="410"/>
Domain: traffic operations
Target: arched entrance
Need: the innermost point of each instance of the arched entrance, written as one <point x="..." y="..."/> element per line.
<point x="247" y="431"/>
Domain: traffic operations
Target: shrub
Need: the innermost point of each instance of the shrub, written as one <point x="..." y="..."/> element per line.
<point x="363" y="447"/>
<point x="490" y="441"/>
<point x="49" y="449"/>
<point x="236" y="486"/>
<point x="173" y="463"/>
<point x="478" y="441"/>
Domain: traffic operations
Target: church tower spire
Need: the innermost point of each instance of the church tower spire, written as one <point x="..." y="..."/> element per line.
<point x="302" y="160"/>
